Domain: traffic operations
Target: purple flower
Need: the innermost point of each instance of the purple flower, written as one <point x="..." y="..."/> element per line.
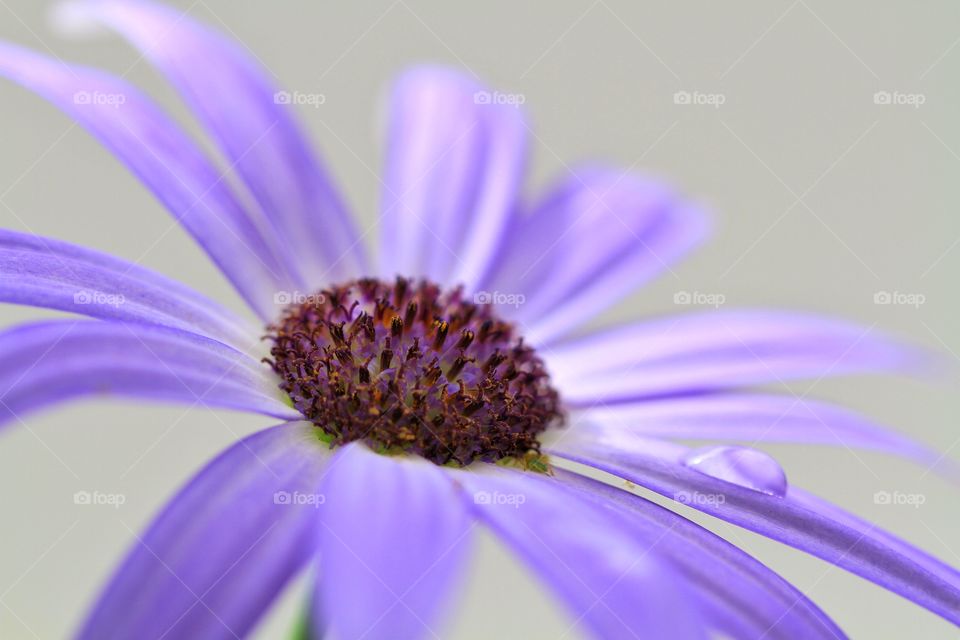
<point x="438" y="389"/>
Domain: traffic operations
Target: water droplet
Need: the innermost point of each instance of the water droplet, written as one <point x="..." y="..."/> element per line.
<point x="740" y="465"/>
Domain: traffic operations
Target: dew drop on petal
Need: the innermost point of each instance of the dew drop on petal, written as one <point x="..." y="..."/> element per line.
<point x="740" y="465"/>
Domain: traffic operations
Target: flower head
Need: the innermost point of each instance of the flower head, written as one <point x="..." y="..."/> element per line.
<point x="406" y="367"/>
<point x="426" y="383"/>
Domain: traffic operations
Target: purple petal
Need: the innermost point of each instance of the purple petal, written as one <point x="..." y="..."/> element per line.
<point x="43" y="272"/>
<point x="741" y="597"/>
<point x="609" y="579"/>
<point x="169" y="164"/>
<point x="217" y="556"/>
<point x="899" y="568"/>
<point x="455" y="160"/>
<point x="925" y="560"/>
<point x="48" y="362"/>
<point x="256" y="129"/>
<point x="393" y="535"/>
<point x="757" y="417"/>
<point x="708" y="351"/>
<point x="594" y="238"/>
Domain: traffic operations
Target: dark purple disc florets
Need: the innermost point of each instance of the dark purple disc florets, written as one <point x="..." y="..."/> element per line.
<point x="408" y="367"/>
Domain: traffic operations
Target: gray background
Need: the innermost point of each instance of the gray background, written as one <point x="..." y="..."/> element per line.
<point x="822" y="197"/>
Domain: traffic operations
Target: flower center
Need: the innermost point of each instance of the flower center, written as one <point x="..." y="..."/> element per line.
<point x="410" y="368"/>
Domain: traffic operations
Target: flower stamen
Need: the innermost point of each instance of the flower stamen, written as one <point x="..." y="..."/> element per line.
<point x="409" y="368"/>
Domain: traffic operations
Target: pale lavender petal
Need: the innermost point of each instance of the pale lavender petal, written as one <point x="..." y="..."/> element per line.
<point x="455" y="160"/>
<point x="254" y="124"/>
<point x="709" y="351"/>
<point x="595" y="237"/>
<point x="214" y="560"/>
<point x="899" y="568"/>
<point x="754" y="417"/>
<point x="46" y="363"/>
<point x="169" y="164"/>
<point x="832" y="511"/>
<point x="611" y="581"/>
<point x="43" y="272"/>
<point x="740" y="596"/>
<point x="393" y="535"/>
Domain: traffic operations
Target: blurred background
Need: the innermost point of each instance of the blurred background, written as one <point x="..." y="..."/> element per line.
<point x="822" y="136"/>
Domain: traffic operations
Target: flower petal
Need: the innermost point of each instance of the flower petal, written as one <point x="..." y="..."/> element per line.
<point x="898" y="568"/>
<point x="256" y="129"/>
<point x="741" y="597"/>
<point x="168" y="163"/>
<point x="709" y="351"/>
<point x="598" y="235"/>
<point x="929" y="562"/>
<point x="755" y="417"/>
<point x="455" y="160"/>
<point x="48" y="362"/>
<point x="393" y="535"/>
<point x="43" y="272"/>
<point x="610" y="580"/>
<point x="219" y="553"/>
